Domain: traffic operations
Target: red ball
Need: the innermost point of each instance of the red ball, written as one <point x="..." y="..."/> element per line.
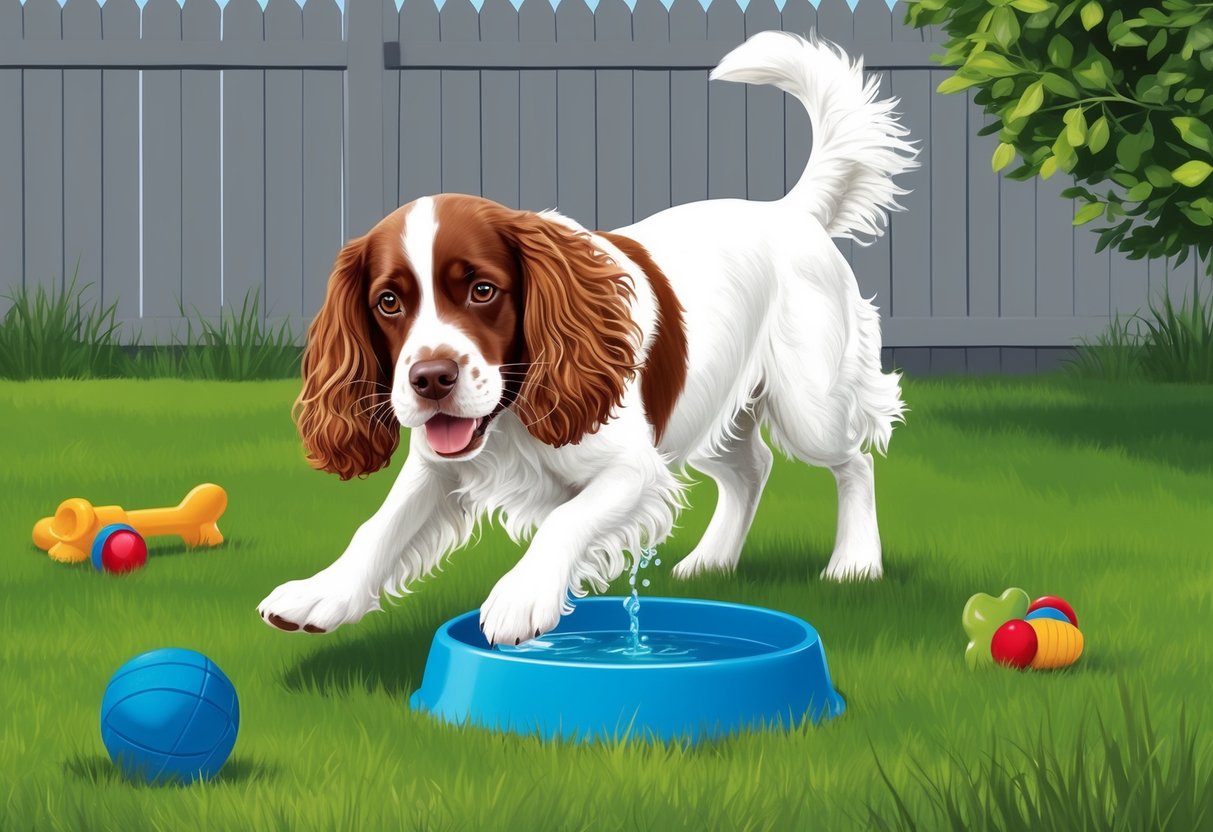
<point x="1057" y="604"/>
<point x="123" y="551"/>
<point x="1014" y="644"/>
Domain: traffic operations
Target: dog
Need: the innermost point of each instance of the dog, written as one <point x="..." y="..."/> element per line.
<point x="560" y="381"/>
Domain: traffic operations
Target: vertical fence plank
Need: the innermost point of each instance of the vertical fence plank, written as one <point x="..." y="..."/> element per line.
<point x="420" y="141"/>
<point x="1130" y="284"/>
<point x="688" y="109"/>
<point x="500" y="108"/>
<point x="537" y="147"/>
<point x="162" y="170"/>
<point x="651" y="121"/>
<point x="461" y="137"/>
<point x="903" y="31"/>
<point x="43" y="154"/>
<point x="614" y="116"/>
<point x="323" y="120"/>
<point x="390" y="26"/>
<point x="1017" y="246"/>
<point x="283" y="169"/>
<point x="576" y="138"/>
<point x="726" y="110"/>
<point x="243" y="163"/>
<point x="1054" y="248"/>
<point x="798" y="17"/>
<point x="835" y="22"/>
<point x="120" y="168"/>
<point x="911" y="230"/>
<point x="981" y="214"/>
<point x="200" y="170"/>
<point x="873" y="264"/>
<point x="874" y="24"/>
<point x="1092" y="274"/>
<point x="81" y="155"/>
<point x="946" y="155"/>
<point x="12" y="221"/>
<point x="764" y="126"/>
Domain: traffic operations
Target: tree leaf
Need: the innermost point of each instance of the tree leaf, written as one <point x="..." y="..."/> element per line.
<point x="1087" y="213"/>
<point x="955" y="83"/>
<point x="1192" y="173"/>
<point x="1194" y="132"/>
<point x="1139" y="192"/>
<point x="1057" y="85"/>
<point x="1157" y="44"/>
<point x="1002" y="156"/>
<point x="1030" y="101"/>
<point x="1060" y="51"/>
<point x="1097" y="136"/>
<point x="1076" y="126"/>
<point x="1091" y="14"/>
<point x="1032" y="6"/>
<point x="1004" y="26"/>
<point x="992" y="64"/>
<point x="1159" y="176"/>
<point x="1048" y="167"/>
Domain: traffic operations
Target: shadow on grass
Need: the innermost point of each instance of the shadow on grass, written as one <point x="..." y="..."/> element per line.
<point x="95" y="769"/>
<point x="1171" y="427"/>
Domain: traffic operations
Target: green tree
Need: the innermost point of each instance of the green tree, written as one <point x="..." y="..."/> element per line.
<point x="1117" y="94"/>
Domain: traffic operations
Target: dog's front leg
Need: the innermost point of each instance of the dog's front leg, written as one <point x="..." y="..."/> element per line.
<point x="414" y="527"/>
<point x="622" y="507"/>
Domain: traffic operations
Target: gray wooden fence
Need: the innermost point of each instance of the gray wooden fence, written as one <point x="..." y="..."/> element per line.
<point x="185" y="155"/>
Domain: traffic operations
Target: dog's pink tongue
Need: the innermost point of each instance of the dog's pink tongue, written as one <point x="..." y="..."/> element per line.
<point x="449" y="434"/>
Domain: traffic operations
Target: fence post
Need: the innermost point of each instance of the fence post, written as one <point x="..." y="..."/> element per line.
<point x="364" y="116"/>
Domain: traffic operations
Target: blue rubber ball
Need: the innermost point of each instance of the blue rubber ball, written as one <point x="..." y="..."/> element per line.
<point x="168" y="715"/>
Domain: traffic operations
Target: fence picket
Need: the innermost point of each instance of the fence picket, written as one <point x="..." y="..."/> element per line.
<point x="651" y="119"/>
<point x="500" y="99"/>
<point x="420" y="142"/>
<point x="537" y="130"/>
<point x="43" y="95"/>
<point x="12" y="163"/>
<point x="764" y="117"/>
<point x="82" y="238"/>
<point x="323" y="143"/>
<point x="981" y="224"/>
<point x="944" y="149"/>
<point x="200" y="171"/>
<point x="688" y="109"/>
<point x="576" y="139"/>
<point x="283" y="164"/>
<point x="120" y="168"/>
<point x="911" y="235"/>
<point x="1054" y="248"/>
<point x="726" y="111"/>
<point x="1017" y="243"/>
<point x="162" y="169"/>
<point x="461" y="97"/>
<point x="798" y="17"/>
<point x="614" y="120"/>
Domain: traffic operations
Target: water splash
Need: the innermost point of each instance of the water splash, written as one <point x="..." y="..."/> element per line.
<point x="636" y="643"/>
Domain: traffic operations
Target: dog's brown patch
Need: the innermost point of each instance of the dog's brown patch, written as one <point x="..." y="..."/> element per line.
<point x="664" y="373"/>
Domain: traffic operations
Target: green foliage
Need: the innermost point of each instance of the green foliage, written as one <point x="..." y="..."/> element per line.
<point x="1136" y="779"/>
<point x="63" y="334"/>
<point x="59" y="334"/>
<point x="1171" y="344"/>
<point x="1119" y="95"/>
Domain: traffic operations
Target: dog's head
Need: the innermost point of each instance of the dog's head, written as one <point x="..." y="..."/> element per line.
<point x="451" y="310"/>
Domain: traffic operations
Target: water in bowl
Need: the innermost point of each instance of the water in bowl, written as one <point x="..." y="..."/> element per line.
<point x="615" y="646"/>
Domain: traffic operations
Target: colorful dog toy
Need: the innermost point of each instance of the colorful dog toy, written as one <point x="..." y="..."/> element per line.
<point x="119" y="548"/>
<point x="69" y="535"/>
<point x="1007" y="630"/>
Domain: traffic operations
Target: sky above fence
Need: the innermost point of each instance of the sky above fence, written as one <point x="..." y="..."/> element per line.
<point x="478" y="3"/>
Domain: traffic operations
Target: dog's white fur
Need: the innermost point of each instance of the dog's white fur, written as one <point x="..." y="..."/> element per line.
<point x="778" y="335"/>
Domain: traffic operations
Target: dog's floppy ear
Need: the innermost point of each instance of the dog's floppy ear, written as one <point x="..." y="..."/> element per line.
<point x="580" y="338"/>
<point x="342" y="413"/>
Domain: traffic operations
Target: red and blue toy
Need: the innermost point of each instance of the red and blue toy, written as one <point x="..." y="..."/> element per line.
<point x="118" y="548"/>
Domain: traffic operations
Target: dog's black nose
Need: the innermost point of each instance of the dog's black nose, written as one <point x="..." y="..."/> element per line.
<point x="434" y="379"/>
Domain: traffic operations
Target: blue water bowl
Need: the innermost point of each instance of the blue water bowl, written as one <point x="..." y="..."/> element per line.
<point x="703" y="669"/>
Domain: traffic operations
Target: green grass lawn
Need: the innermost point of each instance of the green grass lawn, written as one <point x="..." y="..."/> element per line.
<point x="1098" y="493"/>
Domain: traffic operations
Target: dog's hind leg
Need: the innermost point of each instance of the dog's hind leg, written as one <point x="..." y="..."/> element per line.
<point x="857" y="541"/>
<point x="740" y="470"/>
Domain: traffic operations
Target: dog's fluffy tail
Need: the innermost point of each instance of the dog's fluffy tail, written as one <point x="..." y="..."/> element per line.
<point x="858" y="148"/>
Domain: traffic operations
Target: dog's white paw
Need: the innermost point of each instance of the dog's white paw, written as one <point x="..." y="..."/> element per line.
<point x="697" y="563"/>
<point x="853" y="569"/>
<point x="319" y="604"/>
<point x="523" y="605"/>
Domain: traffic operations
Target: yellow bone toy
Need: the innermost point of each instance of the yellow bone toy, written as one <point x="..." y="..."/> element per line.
<point x="68" y="536"/>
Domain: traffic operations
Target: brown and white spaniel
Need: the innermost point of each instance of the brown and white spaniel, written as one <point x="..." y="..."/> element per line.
<point x="555" y="378"/>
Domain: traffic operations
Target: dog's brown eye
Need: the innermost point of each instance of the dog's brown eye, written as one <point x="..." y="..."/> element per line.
<point x="483" y="292"/>
<point x="388" y="304"/>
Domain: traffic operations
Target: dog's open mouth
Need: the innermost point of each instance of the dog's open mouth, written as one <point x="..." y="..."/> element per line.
<point x="456" y="435"/>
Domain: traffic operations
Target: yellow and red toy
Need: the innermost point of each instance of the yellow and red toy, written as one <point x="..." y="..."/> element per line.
<point x="68" y="535"/>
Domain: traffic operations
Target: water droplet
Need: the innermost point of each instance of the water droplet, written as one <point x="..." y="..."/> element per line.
<point x="645" y="582"/>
